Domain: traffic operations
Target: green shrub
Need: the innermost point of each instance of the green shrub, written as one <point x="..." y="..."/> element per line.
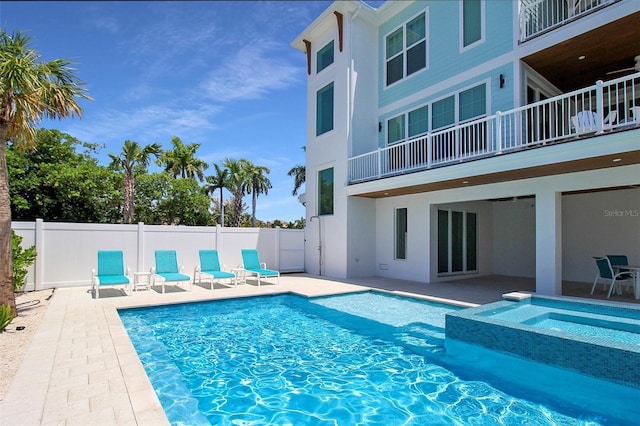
<point x="5" y="316"/>
<point x="22" y="259"/>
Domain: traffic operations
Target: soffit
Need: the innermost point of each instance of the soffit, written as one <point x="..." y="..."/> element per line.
<point x="609" y="47"/>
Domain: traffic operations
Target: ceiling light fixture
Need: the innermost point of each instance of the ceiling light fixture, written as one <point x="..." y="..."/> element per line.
<point x="582" y="57"/>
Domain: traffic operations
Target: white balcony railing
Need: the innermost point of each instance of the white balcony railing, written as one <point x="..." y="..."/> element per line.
<point x="538" y="16"/>
<point x="603" y="107"/>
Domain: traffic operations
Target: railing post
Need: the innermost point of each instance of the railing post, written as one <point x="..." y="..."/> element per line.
<point x="498" y="132"/>
<point x="379" y="154"/>
<point x="429" y="150"/>
<point x="599" y="106"/>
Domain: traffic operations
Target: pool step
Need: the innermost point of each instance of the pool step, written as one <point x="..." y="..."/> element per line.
<point x="421" y="338"/>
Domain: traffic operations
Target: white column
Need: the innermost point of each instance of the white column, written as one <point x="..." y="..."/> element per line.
<point x="549" y="242"/>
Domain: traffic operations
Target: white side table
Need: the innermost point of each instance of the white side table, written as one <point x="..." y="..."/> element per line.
<point x="241" y="276"/>
<point x="141" y="281"/>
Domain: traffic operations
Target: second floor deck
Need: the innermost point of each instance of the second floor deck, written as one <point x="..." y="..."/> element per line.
<point x="604" y="107"/>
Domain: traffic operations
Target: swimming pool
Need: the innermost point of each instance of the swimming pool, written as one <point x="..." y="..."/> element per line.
<point x="366" y="358"/>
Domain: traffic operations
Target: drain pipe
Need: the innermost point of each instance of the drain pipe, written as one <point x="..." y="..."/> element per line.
<point x="319" y="243"/>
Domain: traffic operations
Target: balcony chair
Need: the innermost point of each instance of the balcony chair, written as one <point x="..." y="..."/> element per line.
<point x="585" y="121"/>
<point x="210" y="269"/>
<point x="606" y="273"/>
<point x="110" y="271"/>
<point x="251" y="264"/>
<point x="167" y="269"/>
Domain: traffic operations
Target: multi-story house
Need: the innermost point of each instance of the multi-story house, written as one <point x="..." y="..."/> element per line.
<point x="472" y="137"/>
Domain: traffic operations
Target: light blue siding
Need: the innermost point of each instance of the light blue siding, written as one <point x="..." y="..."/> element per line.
<point x="444" y="58"/>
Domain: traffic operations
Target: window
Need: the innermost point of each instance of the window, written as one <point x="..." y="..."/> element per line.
<point x="401" y="233"/>
<point x="324" y="109"/>
<point x="325" y="191"/>
<point x="457" y="242"/>
<point x="413" y="124"/>
<point x="395" y="129"/>
<point x="324" y="57"/>
<point x="443" y="112"/>
<point x="471" y="22"/>
<point x="473" y="102"/>
<point x="406" y="49"/>
<point x="419" y="121"/>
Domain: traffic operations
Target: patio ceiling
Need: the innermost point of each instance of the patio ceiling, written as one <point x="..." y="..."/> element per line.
<point x="608" y="48"/>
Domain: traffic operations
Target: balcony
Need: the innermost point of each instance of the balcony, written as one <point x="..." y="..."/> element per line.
<point x="540" y="16"/>
<point x="603" y="107"/>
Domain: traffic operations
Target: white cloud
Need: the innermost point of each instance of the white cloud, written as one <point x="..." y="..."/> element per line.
<point x="251" y="73"/>
<point x="150" y="124"/>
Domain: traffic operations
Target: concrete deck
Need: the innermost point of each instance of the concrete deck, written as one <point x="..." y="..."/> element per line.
<point x="82" y="369"/>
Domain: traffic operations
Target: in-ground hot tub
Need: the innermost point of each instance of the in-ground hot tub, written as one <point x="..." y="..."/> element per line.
<point x="599" y="339"/>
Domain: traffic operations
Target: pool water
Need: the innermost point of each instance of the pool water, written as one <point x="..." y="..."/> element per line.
<point x="368" y="359"/>
<point x="564" y="317"/>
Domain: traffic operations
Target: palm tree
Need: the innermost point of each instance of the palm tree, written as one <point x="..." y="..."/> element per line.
<point x="30" y="89"/>
<point x="299" y="174"/>
<point x="219" y="181"/>
<point x="258" y="183"/>
<point x="237" y="185"/>
<point x="181" y="160"/>
<point x="132" y="155"/>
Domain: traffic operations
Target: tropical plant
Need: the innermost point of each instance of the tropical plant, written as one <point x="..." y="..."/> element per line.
<point x="299" y="173"/>
<point x="238" y="187"/>
<point x="257" y="183"/>
<point x="219" y="181"/>
<point x="181" y="160"/>
<point x="22" y="259"/>
<point x="6" y="316"/>
<point x="132" y="155"/>
<point x="299" y="176"/>
<point x="60" y="180"/>
<point x="30" y="89"/>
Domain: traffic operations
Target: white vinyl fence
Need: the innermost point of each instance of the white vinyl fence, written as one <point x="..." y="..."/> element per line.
<point x="67" y="252"/>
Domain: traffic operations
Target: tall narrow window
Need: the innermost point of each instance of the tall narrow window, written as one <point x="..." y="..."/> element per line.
<point x="324" y="109"/>
<point x="471" y="22"/>
<point x="443" y="113"/>
<point x="457" y="242"/>
<point x="324" y="58"/>
<point x="473" y="102"/>
<point x="401" y="233"/>
<point x="418" y="121"/>
<point x="416" y="45"/>
<point x="395" y="129"/>
<point x="406" y="49"/>
<point x="395" y="56"/>
<point x="325" y="191"/>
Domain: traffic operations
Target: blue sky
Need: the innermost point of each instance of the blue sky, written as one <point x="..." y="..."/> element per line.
<point x="218" y="73"/>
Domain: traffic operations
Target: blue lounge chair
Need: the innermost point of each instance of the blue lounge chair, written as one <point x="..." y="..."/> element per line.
<point x="167" y="268"/>
<point x="210" y="268"/>
<point x="110" y="271"/>
<point x="251" y="264"/>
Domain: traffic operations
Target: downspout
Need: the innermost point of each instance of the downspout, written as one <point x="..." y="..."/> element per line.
<point x="319" y="243"/>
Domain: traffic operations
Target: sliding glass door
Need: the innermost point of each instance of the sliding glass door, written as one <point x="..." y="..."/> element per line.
<point x="457" y="242"/>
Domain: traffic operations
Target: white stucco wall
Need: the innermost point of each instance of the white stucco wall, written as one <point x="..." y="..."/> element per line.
<point x="514" y="237"/>
<point x="598" y="224"/>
